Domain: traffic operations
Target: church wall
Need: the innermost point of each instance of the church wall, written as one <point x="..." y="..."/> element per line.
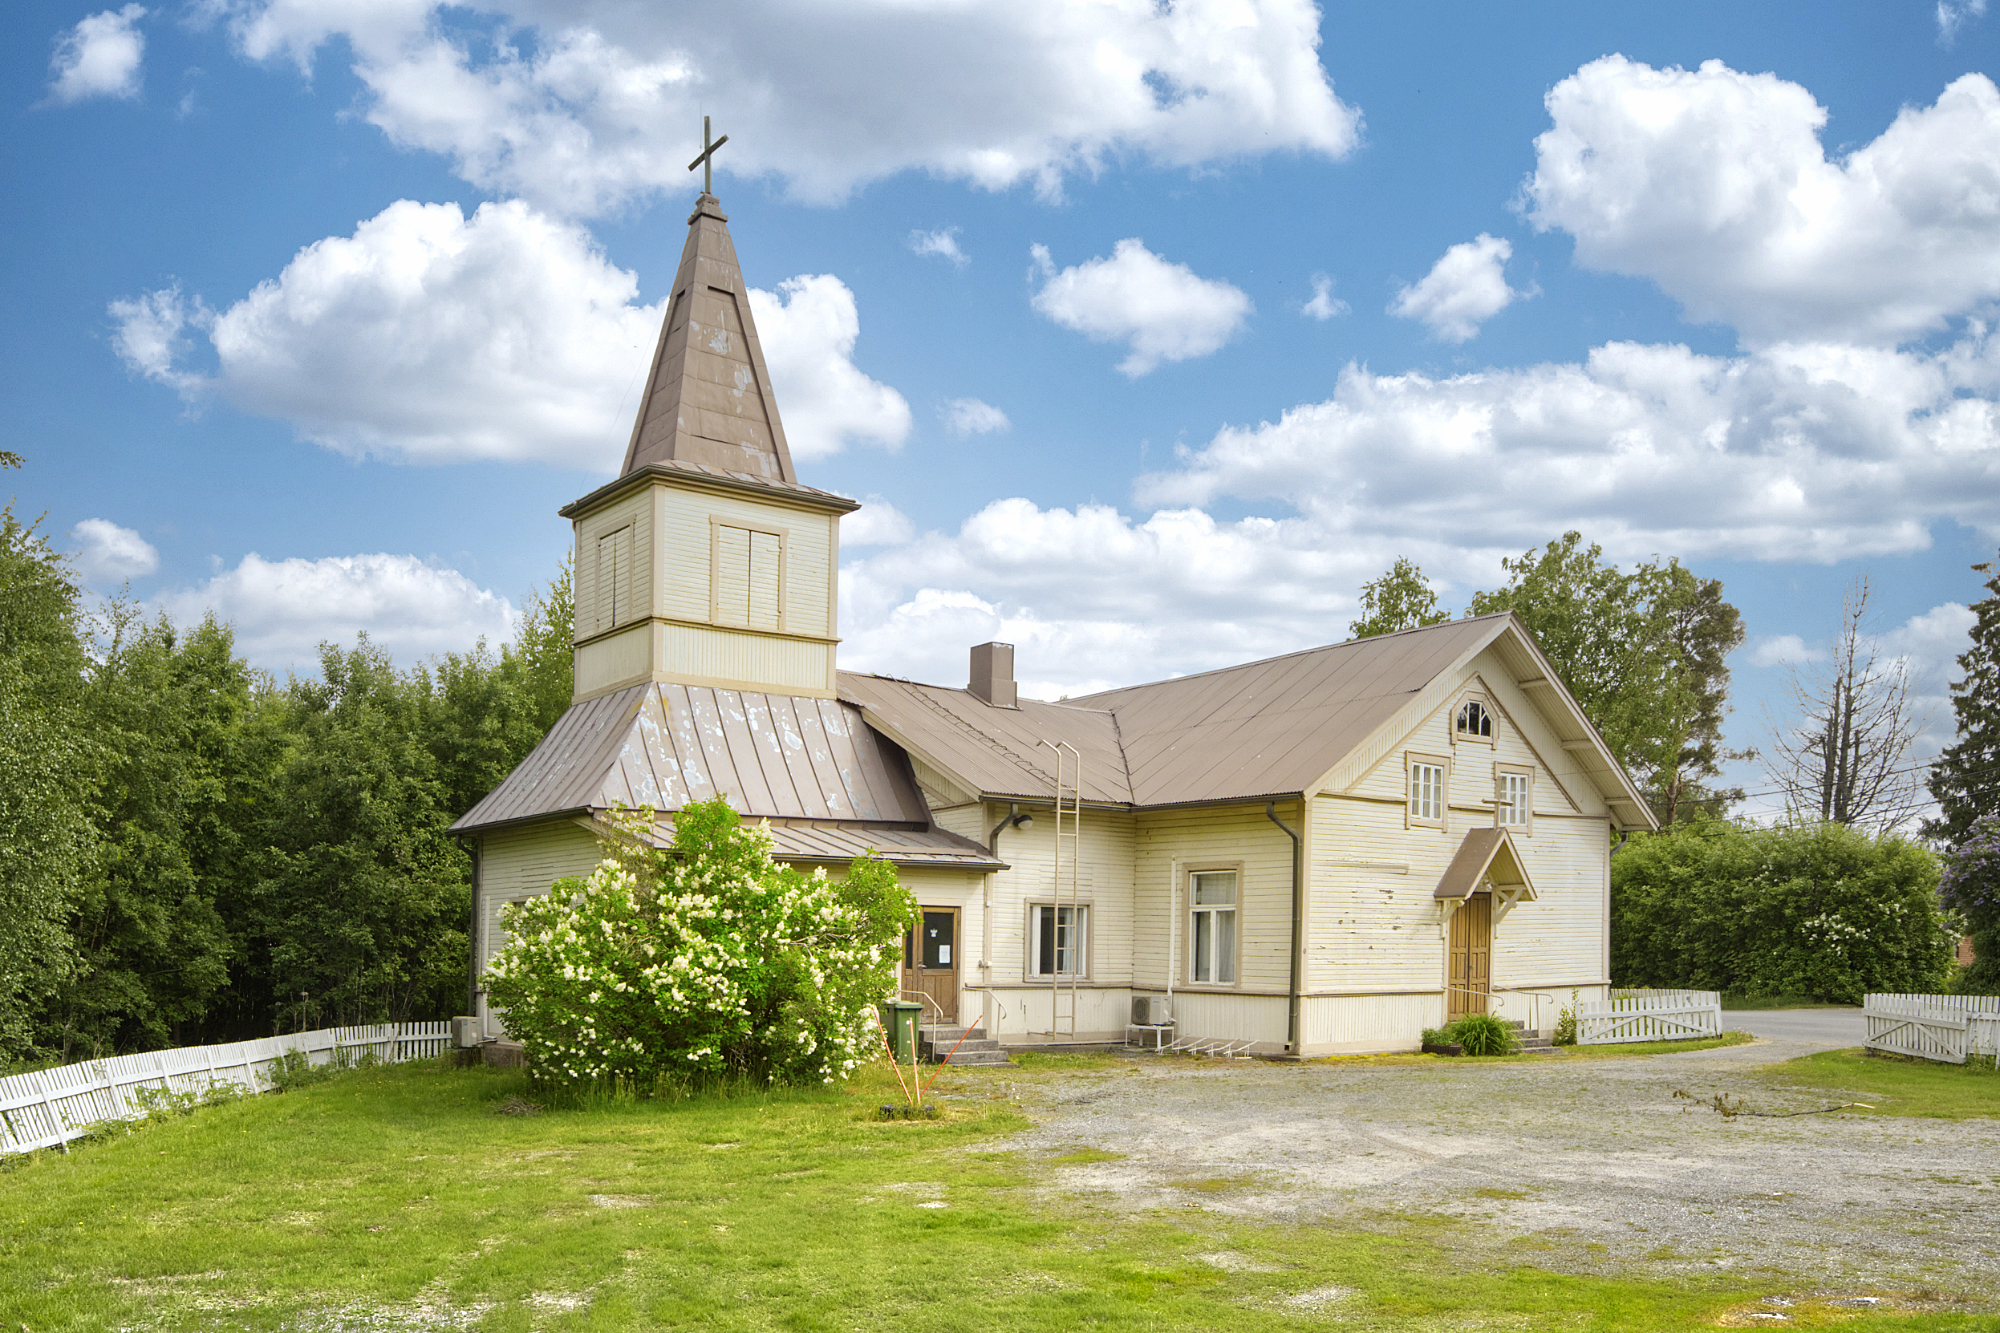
<point x="1373" y="928"/>
<point x="591" y="590"/>
<point x="684" y="558"/>
<point x="1018" y="1006"/>
<point x="520" y="863"/>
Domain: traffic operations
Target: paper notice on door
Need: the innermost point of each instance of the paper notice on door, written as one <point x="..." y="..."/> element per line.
<point x="944" y="955"/>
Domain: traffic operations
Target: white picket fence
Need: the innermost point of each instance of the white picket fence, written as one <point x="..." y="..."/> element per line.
<point x="1649" y="1015"/>
<point x="1947" y="1028"/>
<point x="50" y="1107"/>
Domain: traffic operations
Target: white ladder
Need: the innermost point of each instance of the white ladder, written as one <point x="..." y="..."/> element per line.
<point x="1068" y="929"/>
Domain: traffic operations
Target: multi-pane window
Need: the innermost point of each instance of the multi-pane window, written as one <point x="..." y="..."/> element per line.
<point x="1474" y="721"/>
<point x="1060" y="939"/>
<point x="1212" y="927"/>
<point x="1426" y="791"/>
<point x="1511" y="799"/>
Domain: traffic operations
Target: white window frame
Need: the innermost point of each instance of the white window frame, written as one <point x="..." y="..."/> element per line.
<point x="1524" y="822"/>
<point x="1411" y="816"/>
<point x="1470" y="738"/>
<point x="1031" y="955"/>
<point x="1191" y="909"/>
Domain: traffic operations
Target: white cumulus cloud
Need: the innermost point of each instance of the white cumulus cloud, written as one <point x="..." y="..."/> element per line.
<point x="876" y="523"/>
<point x="1162" y="311"/>
<point x="1464" y="289"/>
<point x="969" y="416"/>
<point x="598" y="106"/>
<point x="1715" y="185"/>
<point x="99" y="57"/>
<point x="283" y="609"/>
<point x="112" y="554"/>
<point x="433" y="337"/>
<point x="1324" y="305"/>
<point x="940" y="244"/>
<point x="808" y="328"/>
<point x="1955" y="14"/>
<point x="1784" y="650"/>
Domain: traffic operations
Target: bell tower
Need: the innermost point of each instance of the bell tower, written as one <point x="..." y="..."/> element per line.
<point x="706" y="562"/>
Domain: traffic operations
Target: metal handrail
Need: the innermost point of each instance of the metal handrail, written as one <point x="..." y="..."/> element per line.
<point x="1534" y="1014"/>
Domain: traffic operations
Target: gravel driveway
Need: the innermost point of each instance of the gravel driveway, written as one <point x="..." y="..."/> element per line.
<point x="1588" y="1163"/>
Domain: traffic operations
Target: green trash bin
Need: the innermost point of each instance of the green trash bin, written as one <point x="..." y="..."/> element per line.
<point x="899" y="1020"/>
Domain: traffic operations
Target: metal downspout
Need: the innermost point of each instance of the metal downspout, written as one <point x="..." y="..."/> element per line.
<point x="472" y="940"/>
<point x="1298" y="922"/>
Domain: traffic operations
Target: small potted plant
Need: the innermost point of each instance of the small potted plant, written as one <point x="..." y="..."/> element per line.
<point x="1437" y="1041"/>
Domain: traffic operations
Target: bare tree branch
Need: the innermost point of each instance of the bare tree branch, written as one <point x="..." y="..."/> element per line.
<point x="1842" y="762"/>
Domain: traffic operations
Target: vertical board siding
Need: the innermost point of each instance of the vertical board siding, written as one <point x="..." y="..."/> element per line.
<point x="49" y="1107"/>
<point x="1344" y="1023"/>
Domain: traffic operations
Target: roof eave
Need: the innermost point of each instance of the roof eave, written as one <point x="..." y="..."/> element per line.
<point x="802" y="496"/>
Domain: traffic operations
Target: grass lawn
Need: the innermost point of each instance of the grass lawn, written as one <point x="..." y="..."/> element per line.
<point x="396" y="1198"/>
<point x="1662" y="1047"/>
<point x="1892" y="1085"/>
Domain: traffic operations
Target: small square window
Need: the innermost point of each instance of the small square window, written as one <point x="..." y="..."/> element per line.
<point x="1473" y="723"/>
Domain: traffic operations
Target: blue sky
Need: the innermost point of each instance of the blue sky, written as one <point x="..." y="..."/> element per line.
<point x="318" y="309"/>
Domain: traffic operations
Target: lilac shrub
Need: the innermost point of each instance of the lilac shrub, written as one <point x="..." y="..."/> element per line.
<point x="701" y="959"/>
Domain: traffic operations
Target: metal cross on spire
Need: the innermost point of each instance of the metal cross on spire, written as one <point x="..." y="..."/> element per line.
<point x="706" y="160"/>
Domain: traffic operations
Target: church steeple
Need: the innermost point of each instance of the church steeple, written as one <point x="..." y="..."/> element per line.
<point x="708" y="399"/>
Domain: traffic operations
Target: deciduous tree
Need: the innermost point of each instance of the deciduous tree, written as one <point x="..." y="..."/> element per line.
<point x="1401" y="599"/>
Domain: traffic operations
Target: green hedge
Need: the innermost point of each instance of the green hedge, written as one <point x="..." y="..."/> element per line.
<point x="1820" y="910"/>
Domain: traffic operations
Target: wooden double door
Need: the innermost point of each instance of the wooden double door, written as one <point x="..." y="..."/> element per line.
<point x="930" y="964"/>
<point x="1469" y="967"/>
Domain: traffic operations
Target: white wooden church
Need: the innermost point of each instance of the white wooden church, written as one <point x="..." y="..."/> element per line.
<point x="1323" y="852"/>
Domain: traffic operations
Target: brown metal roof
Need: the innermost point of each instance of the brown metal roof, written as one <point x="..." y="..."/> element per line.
<point x="1276" y="726"/>
<point x="708" y="395"/>
<point x="1486" y="855"/>
<point x="663" y="745"/>
<point x="1261" y="729"/>
<point x="997" y="749"/>
<point x="1269" y="728"/>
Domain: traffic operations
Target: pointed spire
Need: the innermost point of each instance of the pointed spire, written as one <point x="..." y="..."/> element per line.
<point x="708" y="398"/>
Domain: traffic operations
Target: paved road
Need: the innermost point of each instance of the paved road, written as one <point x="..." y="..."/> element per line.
<point x="1784" y="1034"/>
<point x="1821" y="1027"/>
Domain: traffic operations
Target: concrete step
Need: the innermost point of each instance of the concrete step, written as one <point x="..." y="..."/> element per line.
<point x="944" y="1044"/>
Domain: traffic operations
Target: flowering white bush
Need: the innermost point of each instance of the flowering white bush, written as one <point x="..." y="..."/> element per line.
<point x="700" y="959"/>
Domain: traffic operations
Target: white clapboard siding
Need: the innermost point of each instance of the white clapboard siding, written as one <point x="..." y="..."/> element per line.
<point x="1946" y="1028"/>
<point x="1649" y="1016"/>
<point x="49" y="1107"/>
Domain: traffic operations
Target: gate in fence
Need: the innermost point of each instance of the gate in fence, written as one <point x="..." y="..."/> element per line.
<point x="1946" y="1028"/>
<point x="1649" y="1015"/>
<point x="49" y="1107"/>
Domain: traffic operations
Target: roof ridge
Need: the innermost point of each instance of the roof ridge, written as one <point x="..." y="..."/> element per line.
<point x="1300" y="652"/>
<point x="992" y="742"/>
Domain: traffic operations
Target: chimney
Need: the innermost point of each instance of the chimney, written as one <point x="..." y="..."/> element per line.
<point x="993" y="674"/>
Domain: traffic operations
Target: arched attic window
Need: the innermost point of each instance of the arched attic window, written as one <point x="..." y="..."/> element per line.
<point x="1474" y="722"/>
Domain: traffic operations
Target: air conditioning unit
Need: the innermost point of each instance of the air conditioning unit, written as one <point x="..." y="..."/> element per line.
<point x="464" y="1032"/>
<point x="1151" y="1011"/>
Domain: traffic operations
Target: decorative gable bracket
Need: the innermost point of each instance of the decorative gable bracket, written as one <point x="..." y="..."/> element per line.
<point x="1486" y="861"/>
